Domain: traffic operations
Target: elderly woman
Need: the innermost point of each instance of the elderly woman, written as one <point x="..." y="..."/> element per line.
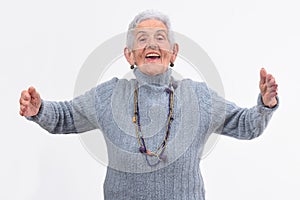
<point x="155" y="127"/>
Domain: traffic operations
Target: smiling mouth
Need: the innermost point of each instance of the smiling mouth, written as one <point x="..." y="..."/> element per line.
<point x="152" y="56"/>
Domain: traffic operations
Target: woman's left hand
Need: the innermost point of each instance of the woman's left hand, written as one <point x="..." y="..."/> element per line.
<point x="268" y="88"/>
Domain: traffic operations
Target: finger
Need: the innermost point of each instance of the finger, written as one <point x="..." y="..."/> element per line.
<point x="263" y="75"/>
<point x="268" y="77"/>
<point x="271" y="81"/>
<point x="272" y="91"/>
<point x="273" y="94"/>
<point x="23" y="108"/>
<point x="25" y="95"/>
<point x="21" y="113"/>
<point x="274" y="88"/>
<point x="33" y="92"/>
<point x="24" y="102"/>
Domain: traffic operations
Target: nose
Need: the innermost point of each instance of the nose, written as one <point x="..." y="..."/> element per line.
<point x="152" y="44"/>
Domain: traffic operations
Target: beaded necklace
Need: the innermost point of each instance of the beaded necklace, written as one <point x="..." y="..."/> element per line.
<point x="138" y="130"/>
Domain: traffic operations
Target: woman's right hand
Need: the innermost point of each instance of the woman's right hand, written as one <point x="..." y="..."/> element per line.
<point x="30" y="102"/>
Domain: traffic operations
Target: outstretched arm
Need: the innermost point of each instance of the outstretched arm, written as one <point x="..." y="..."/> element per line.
<point x="73" y="116"/>
<point x="248" y="123"/>
<point x="81" y="114"/>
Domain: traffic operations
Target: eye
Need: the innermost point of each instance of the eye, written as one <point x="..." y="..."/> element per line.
<point x="142" y="39"/>
<point x="160" y="37"/>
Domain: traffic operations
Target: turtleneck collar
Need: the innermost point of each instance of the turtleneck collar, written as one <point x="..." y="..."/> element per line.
<point x="160" y="79"/>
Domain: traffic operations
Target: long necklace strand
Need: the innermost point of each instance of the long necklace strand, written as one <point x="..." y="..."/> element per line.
<point x="136" y="120"/>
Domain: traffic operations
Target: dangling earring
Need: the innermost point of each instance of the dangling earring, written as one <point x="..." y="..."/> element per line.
<point x="131" y="66"/>
<point x="171" y="64"/>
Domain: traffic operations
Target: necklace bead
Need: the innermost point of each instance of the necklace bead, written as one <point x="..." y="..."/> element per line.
<point x="163" y="157"/>
<point x="134" y="119"/>
<point x="168" y="90"/>
<point x="142" y="149"/>
<point x="148" y="152"/>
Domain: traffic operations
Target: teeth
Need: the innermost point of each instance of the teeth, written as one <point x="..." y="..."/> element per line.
<point x="152" y="54"/>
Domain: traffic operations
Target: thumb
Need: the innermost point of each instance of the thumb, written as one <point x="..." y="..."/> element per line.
<point x="33" y="93"/>
<point x="263" y="75"/>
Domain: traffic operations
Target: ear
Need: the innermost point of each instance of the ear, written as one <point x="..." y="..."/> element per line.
<point x="129" y="56"/>
<point x="174" y="53"/>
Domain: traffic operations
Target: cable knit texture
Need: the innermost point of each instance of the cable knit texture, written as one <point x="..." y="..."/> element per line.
<point x="198" y="112"/>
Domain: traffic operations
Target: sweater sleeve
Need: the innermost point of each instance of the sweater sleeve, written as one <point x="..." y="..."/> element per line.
<point x="242" y="123"/>
<point x="226" y="118"/>
<point x="75" y="116"/>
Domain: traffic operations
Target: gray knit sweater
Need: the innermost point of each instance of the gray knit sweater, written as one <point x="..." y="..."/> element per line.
<point x="198" y="112"/>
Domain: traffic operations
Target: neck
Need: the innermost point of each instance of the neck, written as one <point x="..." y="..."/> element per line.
<point x="162" y="79"/>
<point x="153" y="72"/>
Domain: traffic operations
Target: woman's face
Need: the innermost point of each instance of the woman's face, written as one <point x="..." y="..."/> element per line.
<point x="152" y="51"/>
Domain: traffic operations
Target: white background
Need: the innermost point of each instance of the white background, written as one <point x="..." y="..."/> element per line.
<point x="44" y="44"/>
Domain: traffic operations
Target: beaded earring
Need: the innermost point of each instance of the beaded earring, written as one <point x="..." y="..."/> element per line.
<point x="131" y="66"/>
<point x="171" y="64"/>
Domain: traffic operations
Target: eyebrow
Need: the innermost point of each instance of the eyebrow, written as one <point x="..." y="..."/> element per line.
<point x="143" y="32"/>
<point x="162" y="30"/>
<point x="140" y="32"/>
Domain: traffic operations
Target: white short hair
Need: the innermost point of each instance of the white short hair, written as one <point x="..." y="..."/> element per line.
<point x="145" y="15"/>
